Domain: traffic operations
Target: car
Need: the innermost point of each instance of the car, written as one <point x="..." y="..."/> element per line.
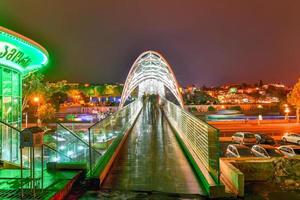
<point x="245" y="138"/>
<point x="290" y="150"/>
<point x="238" y="150"/>
<point x="265" y="151"/>
<point x="263" y="138"/>
<point x="291" y="137"/>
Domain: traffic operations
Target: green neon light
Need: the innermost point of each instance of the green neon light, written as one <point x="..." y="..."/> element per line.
<point x="20" y="54"/>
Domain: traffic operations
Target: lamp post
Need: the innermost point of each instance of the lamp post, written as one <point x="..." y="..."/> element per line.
<point x="260" y="107"/>
<point x="37" y="101"/>
<point x="286" y="111"/>
<point x="26" y="119"/>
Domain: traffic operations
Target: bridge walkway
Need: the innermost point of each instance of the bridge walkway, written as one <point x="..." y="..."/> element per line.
<point x="152" y="160"/>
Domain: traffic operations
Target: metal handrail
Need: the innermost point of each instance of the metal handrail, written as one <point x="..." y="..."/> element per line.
<point x="10" y="126"/>
<point x="81" y="140"/>
<point x="60" y="153"/>
<point x="194" y="117"/>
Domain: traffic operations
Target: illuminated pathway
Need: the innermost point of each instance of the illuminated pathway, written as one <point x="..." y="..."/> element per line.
<point x="152" y="160"/>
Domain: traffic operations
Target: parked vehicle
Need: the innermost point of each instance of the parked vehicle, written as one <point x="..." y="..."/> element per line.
<point x="238" y="150"/>
<point x="245" y="138"/>
<point x="263" y="138"/>
<point x="291" y="137"/>
<point x="265" y="151"/>
<point x="290" y="150"/>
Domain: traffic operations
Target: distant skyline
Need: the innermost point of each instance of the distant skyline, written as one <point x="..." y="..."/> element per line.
<point x="206" y="42"/>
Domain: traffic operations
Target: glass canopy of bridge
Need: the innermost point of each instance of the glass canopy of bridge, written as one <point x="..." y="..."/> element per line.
<point x="151" y="74"/>
<point x="18" y="57"/>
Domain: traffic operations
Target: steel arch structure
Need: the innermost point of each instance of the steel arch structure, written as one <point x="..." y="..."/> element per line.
<point x="151" y="73"/>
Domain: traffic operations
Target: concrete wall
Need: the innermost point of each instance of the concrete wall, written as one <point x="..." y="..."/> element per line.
<point x="235" y="171"/>
<point x="232" y="177"/>
<point x="256" y="170"/>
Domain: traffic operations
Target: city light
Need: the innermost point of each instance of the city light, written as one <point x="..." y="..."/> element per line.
<point x="36" y="99"/>
<point x="56" y="159"/>
<point x="62" y="147"/>
<point x="86" y="137"/>
<point x="80" y="148"/>
<point x="70" y="153"/>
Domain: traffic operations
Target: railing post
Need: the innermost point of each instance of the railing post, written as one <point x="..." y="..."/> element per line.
<point x="90" y="150"/>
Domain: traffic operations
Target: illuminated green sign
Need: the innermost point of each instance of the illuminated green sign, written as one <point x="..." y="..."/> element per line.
<point x="14" y="55"/>
<point x="20" y="53"/>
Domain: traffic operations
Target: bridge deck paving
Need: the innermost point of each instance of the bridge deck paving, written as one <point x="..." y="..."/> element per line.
<point x="152" y="160"/>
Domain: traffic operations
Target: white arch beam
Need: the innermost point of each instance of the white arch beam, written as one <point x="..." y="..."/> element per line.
<point x="151" y="65"/>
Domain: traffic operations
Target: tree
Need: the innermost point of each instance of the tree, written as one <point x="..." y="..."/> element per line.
<point x="33" y="86"/>
<point x="46" y="112"/>
<point x="211" y="109"/>
<point x="260" y="84"/>
<point x="74" y="94"/>
<point x="293" y="98"/>
<point x="58" y="98"/>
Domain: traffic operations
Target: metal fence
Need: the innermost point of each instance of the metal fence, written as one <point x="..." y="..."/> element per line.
<point x="202" y="138"/>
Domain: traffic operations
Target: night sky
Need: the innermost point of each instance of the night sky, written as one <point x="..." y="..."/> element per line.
<point x="206" y="42"/>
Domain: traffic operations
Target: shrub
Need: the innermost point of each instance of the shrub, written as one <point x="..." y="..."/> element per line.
<point x="211" y="109"/>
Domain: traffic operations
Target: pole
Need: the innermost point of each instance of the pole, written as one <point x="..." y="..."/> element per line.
<point x="33" y="172"/>
<point x="90" y="149"/>
<point x="21" y="159"/>
<point x="30" y="170"/>
<point x="26" y="119"/>
<point x="37" y="113"/>
<point x="42" y="157"/>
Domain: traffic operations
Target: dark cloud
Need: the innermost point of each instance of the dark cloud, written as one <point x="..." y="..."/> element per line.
<point x="206" y="42"/>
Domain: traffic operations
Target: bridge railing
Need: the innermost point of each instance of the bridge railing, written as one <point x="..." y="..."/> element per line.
<point x="12" y="154"/>
<point x="202" y="138"/>
<point x="71" y="145"/>
<point x="106" y="134"/>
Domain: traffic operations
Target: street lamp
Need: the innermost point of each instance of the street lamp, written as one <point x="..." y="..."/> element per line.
<point x="37" y="101"/>
<point x="26" y="119"/>
<point x="260" y="107"/>
<point x="286" y="111"/>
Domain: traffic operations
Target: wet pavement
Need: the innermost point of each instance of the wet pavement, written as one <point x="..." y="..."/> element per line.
<point x="151" y="160"/>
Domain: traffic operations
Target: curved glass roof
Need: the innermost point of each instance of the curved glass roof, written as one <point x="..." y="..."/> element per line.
<point x="151" y="68"/>
<point x="21" y="53"/>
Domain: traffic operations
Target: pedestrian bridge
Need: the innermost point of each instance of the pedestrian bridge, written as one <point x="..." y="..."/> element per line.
<point x="151" y="144"/>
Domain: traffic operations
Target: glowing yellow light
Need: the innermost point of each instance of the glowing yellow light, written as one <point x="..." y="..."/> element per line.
<point x="36" y="99"/>
<point x="287" y="110"/>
